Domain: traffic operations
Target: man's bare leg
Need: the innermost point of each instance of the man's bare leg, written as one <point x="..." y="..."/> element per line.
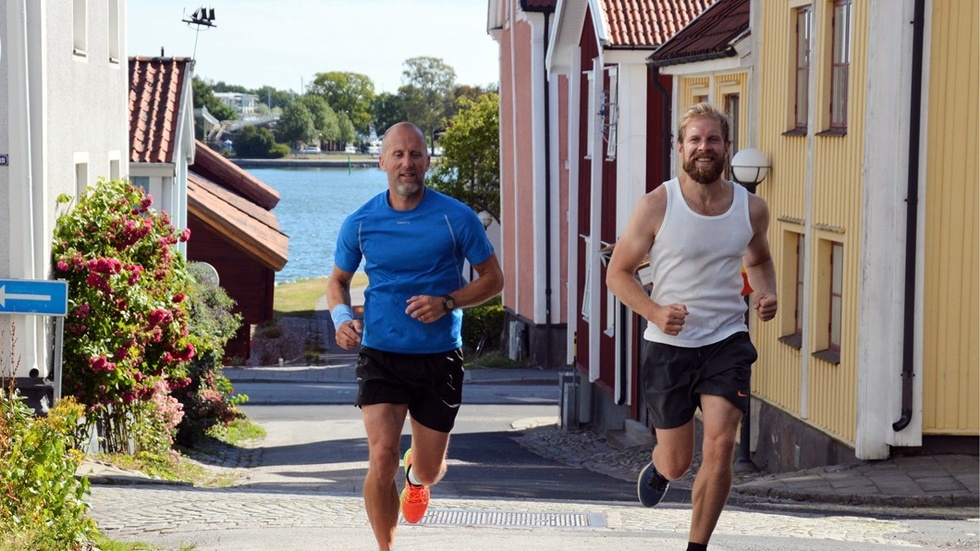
<point x="714" y="481"/>
<point x="383" y="423"/>
<point x="428" y="453"/>
<point x="674" y="452"/>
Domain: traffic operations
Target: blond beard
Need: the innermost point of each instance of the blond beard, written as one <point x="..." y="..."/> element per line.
<point x="707" y="175"/>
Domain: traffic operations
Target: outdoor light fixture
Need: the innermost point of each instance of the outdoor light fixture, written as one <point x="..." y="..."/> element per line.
<point x="749" y="166"/>
<point x="486" y="218"/>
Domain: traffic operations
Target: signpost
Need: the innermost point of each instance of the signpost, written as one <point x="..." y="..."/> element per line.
<point x="25" y="296"/>
<point x="39" y="297"/>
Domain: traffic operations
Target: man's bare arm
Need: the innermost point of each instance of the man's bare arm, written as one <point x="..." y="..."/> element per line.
<point x="759" y="267"/>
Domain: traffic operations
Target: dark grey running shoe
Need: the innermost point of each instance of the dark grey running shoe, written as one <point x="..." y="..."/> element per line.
<point x="650" y="486"/>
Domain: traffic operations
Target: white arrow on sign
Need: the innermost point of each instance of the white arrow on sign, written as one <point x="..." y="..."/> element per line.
<point x="13" y="296"/>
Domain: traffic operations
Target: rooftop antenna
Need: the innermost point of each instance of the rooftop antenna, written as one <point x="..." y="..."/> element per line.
<point x="202" y="17"/>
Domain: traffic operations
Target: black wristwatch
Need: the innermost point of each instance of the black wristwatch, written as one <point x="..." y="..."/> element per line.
<point x="448" y="303"/>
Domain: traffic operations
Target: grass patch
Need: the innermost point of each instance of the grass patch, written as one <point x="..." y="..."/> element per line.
<point x="189" y="465"/>
<point x="240" y="430"/>
<point x="299" y="298"/>
<point x="105" y="544"/>
<point x="494" y="359"/>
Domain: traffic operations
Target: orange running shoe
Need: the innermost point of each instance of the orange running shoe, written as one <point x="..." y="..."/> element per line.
<point x="415" y="499"/>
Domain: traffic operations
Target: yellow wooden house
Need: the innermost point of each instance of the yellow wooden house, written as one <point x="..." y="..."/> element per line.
<point x="867" y="112"/>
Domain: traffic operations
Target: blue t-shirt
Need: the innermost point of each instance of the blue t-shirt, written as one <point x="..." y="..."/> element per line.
<point x="408" y="253"/>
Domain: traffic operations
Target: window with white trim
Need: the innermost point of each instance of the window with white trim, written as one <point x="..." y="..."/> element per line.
<point x="79" y="27"/>
<point x="804" y="25"/>
<point x="840" y="64"/>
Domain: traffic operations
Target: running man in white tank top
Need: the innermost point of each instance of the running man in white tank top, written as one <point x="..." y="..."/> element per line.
<point x="698" y="231"/>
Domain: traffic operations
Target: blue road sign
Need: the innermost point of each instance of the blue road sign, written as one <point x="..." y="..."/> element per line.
<point x="26" y="296"/>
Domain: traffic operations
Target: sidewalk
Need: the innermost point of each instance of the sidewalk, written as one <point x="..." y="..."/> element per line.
<point x="937" y="481"/>
<point x="948" y="485"/>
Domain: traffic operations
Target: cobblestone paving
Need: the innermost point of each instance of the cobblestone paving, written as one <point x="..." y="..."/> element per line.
<point x="121" y="511"/>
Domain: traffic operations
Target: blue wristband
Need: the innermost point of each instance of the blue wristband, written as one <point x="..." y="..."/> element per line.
<point x="341" y="314"/>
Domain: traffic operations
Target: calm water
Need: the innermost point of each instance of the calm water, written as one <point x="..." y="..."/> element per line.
<point x="313" y="203"/>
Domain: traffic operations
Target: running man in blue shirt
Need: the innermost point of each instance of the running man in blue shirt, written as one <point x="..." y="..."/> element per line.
<point x="413" y="241"/>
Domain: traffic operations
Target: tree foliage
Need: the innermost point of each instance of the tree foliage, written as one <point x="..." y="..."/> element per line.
<point x="273" y="97"/>
<point x="257" y="143"/>
<point x="428" y="93"/>
<point x="325" y="119"/>
<point x="469" y="168"/>
<point x="204" y="97"/>
<point x="349" y="93"/>
<point x="296" y="125"/>
<point x="388" y="109"/>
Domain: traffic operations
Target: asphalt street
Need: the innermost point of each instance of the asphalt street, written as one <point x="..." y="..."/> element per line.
<point x="299" y="489"/>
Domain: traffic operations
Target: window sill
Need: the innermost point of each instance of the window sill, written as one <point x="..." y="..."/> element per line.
<point x="795" y="132"/>
<point x="834" y="132"/>
<point x="828" y="355"/>
<point x="794" y="340"/>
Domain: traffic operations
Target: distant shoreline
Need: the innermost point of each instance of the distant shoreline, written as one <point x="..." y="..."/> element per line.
<point x="305" y="163"/>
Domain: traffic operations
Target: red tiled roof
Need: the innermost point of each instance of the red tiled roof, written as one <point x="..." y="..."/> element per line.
<point x="238" y="220"/>
<point x="215" y="167"/>
<point x="155" y="86"/>
<point x="711" y="35"/>
<point x="650" y="23"/>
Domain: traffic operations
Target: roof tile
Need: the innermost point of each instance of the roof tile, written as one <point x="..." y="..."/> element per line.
<point x="155" y="87"/>
<point x="710" y="35"/>
<point x="649" y="23"/>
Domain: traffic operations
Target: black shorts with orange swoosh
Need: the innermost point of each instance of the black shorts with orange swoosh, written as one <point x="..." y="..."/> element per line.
<point x="674" y="377"/>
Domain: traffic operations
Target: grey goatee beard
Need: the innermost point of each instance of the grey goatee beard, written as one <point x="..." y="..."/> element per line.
<point x="408" y="189"/>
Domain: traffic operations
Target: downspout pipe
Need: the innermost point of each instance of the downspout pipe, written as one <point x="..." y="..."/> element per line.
<point x="912" y="217"/>
<point x="547" y="195"/>
<point x="665" y="107"/>
<point x="24" y="133"/>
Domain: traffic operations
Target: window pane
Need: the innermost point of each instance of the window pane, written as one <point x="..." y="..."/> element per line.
<point x="836" y="301"/>
<point x="803" y="21"/>
<point x="800" y="249"/>
<point x="840" y="56"/>
<point x="837" y="262"/>
<point x="801" y="98"/>
<point x="835" y="321"/>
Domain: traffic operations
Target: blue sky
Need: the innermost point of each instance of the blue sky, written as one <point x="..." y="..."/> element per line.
<point x="284" y="43"/>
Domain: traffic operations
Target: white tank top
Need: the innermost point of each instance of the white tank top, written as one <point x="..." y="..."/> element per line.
<point x="697" y="261"/>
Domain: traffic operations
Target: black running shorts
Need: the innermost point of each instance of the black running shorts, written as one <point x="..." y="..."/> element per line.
<point x="674" y="378"/>
<point x="431" y="384"/>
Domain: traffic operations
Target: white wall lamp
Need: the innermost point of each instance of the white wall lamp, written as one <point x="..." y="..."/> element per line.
<point x="750" y="167"/>
<point x="486" y="218"/>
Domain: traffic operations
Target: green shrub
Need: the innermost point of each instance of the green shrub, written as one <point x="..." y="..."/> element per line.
<point x="279" y="151"/>
<point x="126" y="342"/>
<point x="207" y="400"/>
<point x="483" y="323"/>
<point x="43" y="506"/>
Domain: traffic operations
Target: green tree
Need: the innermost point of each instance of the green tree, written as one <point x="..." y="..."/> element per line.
<point x="428" y="93"/>
<point x="296" y="125"/>
<point x="324" y="118"/>
<point x="350" y="93"/>
<point x="388" y="109"/>
<point x="204" y="97"/>
<point x="469" y="168"/>
<point x="347" y="133"/>
<point x="258" y="143"/>
<point x="222" y="87"/>
<point x="274" y="98"/>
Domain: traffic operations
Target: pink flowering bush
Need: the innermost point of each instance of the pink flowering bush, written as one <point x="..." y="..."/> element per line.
<point x="209" y="399"/>
<point x="126" y="345"/>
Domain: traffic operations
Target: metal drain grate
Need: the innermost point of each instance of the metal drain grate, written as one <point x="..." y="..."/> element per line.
<point x="512" y="519"/>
